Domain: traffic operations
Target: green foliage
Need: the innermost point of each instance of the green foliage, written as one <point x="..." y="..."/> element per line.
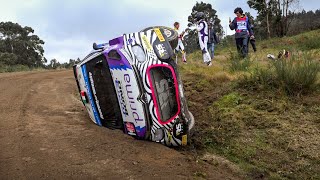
<point x="238" y="63"/>
<point x="227" y="41"/>
<point x="302" y="42"/>
<point x="258" y="132"/>
<point x="19" y="45"/>
<point x="296" y="76"/>
<point x="282" y="19"/>
<point x="303" y="21"/>
<point x="293" y="76"/>
<point x="253" y="118"/>
<point x="210" y="13"/>
<point x="8" y="58"/>
<point x="228" y="101"/>
<point x="191" y="39"/>
<point x="13" y="68"/>
<point x="309" y="43"/>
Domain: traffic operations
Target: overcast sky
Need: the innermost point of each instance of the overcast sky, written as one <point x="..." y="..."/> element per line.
<point x="69" y="27"/>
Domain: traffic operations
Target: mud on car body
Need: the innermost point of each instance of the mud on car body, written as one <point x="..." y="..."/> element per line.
<point x="132" y="83"/>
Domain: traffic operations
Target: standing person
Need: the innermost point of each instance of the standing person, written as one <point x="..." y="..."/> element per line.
<point x="212" y="40"/>
<point x="203" y="37"/>
<point x="242" y="27"/>
<point x="180" y="46"/>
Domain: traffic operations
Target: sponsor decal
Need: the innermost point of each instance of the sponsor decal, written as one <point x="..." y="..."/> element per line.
<point x="146" y="42"/>
<point x="123" y="104"/>
<point x="184" y="140"/>
<point x="95" y="95"/>
<point x="162" y="89"/>
<point x="178" y="129"/>
<point x="131" y="40"/>
<point x="167" y="32"/>
<point x="130" y="128"/>
<point x="159" y="34"/>
<point x="169" y="137"/>
<point x="161" y="49"/>
<point x="132" y="100"/>
<point x="125" y="89"/>
<point x="87" y="85"/>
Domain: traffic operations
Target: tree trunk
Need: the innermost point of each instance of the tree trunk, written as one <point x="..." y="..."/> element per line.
<point x="286" y="18"/>
<point x="268" y="24"/>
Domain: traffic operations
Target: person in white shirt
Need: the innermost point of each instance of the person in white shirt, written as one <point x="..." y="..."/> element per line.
<point x="180" y="46"/>
<point x="202" y="27"/>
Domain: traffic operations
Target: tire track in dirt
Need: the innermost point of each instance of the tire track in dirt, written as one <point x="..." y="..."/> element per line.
<point x="45" y="133"/>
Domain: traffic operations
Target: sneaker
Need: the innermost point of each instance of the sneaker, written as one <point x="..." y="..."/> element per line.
<point x="209" y="63"/>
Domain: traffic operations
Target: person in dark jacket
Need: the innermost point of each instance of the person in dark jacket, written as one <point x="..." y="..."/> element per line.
<point x="243" y="30"/>
<point x="212" y="40"/>
<point x="252" y="41"/>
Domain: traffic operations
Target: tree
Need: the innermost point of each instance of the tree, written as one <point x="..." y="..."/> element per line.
<point x="303" y="21"/>
<point x="274" y="14"/>
<point x="264" y="8"/>
<point x="54" y="64"/>
<point x="191" y="39"/>
<point x="22" y="42"/>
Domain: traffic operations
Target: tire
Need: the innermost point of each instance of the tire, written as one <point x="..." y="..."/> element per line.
<point x="171" y="34"/>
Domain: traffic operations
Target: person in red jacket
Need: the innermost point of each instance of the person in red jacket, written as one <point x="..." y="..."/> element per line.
<point x="243" y="30"/>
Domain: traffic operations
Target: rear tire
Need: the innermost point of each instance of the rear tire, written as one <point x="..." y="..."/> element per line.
<point x="171" y="34"/>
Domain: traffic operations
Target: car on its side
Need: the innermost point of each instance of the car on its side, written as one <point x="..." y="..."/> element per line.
<point x="132" y="83"/>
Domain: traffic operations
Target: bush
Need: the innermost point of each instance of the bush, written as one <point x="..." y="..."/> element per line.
<point x="238" y="63"/>
<point x="8" y="58"/>
<point x="13" y="68"/>
<point x="259" y="78"/>
<point x="294" y="76"/>
<point x="313" y="43"/>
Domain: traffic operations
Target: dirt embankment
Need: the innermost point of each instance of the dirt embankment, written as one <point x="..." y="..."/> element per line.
<point x="45" y="133"/>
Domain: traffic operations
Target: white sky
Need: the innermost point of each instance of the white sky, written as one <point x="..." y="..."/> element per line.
<point x="69" y="27"/>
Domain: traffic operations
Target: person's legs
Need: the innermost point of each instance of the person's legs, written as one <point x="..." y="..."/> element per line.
<point x="239" y="45"/>
<point x="253" y="44"/>
<point x="212" y="49"/>
<point x="176" y="51"/>
<point x="205" y="53"/>
<point x="248" y="47"/>
<point x="209" y="45"/>
<point x="245" y="47"/>
<point x="183" y="53"/>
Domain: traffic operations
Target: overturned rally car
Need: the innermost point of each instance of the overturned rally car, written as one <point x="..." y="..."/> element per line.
<point x="132" y="83"/>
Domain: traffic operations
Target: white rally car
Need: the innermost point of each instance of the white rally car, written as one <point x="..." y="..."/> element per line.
<point x="132" y="83"/>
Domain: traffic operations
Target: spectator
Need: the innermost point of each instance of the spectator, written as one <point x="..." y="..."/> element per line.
<point x="203" y="37"/>
<point x="212" y="40"/>
<point x="180" y="46"/>
<point x="243" y="29"/>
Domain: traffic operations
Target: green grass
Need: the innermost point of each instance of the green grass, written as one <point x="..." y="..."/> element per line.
<point x="293" y="76"/>
<point x="264" y="118"/>
<point x="301" y="42"/>
<point x="13" y="68"/>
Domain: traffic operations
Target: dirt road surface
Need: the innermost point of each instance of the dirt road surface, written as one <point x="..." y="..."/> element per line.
<point x="46" y="134"/>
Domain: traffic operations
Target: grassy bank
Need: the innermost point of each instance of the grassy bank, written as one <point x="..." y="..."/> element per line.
<point x="17" y="68"/>
<point x="262" y="117"/>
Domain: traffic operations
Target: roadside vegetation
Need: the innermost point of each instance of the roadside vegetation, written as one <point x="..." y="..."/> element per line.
<point x="257" y="116"/>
